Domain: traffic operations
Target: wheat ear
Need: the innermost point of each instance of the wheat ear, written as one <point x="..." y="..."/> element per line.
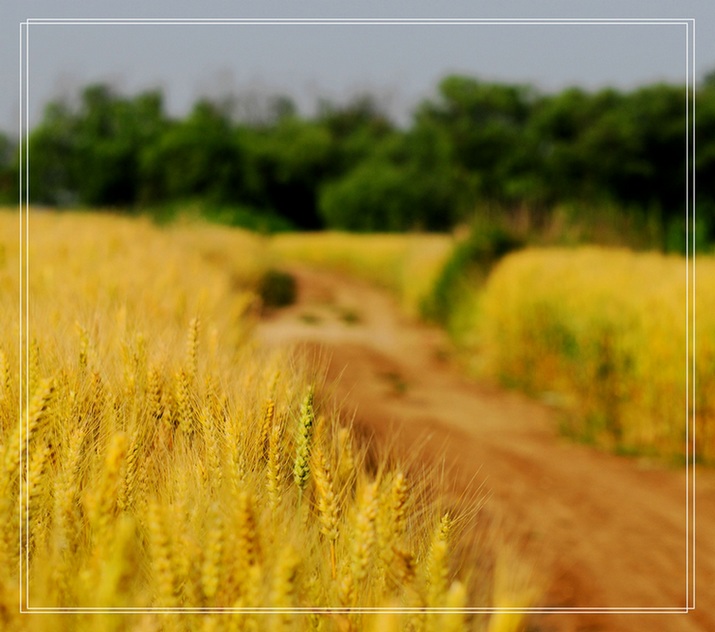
<point x="33" y="499"/>
<point x="183" y="402"/>
<point x="437" y="564"/>
<point x="284" y="588"/>
<point x="192" y="348"/>
<point x="213" y="547"/>
<point x="301" y="466"/>
<point x="128" y="487"/>
<point x="161" y="557"/>
<point x="391" y="521"/>
<point x="16" y="447"/>
<point x="363" y="539"/>
<point x="274" y="476"/>
<point x="103" y="502"/>
<point x="452" y="619"/>
<point x="5" y="388"/>
<point x="269" y="411"/>
<point x="328" y="509"/>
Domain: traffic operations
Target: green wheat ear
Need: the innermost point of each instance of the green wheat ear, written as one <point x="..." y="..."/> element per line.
<point x="301" y="466"/>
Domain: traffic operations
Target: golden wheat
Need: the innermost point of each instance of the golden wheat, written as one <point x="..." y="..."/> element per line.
<point x="406" y="264"/>
<point x="162" y="449"/>
<point x="602" y="334"/>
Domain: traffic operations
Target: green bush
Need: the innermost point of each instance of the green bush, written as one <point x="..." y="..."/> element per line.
<point x="379" y="195"/>
<point x="277" y="289"/>
<point x="700" y="233"/>
<point x="254" y="219"/>
<point x="469" y="263"/>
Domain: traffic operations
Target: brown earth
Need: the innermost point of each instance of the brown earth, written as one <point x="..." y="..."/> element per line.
<point x="604" y="531"/>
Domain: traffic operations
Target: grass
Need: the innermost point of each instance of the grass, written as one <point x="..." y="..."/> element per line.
<point x="350" y="316"/>
<point x="397" y="383"/>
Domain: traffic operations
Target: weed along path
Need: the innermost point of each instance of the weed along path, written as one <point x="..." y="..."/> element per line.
<point x="602" y="531"/>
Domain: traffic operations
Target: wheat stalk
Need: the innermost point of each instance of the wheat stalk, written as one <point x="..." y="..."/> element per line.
<point x="184" y="405"/>
<point x="391" y="526"/>
<point x="8" y="414"/>
<point x="16" y="448"/>
<point x="301" y="466"/>
<point x="284" y="586"/>
<point x="192" y="348"/>
<point x="274" y="476"/>
<point x="453" y="621"/>
<point x="33" y="368"/>
<point x="103" y="502"/>
<point x="33" y="513"/>
<point x="269" y="411"/>
<point x="346" y="458"/>
<point x="68" y="518"/>
<point x="363" y="540"/>
<point x="213" y="547"/>
<point x="437" y="562"/>
<point x="128" y="487"/>
<point x="328" y="509"/>
<point x="161" y="556"/>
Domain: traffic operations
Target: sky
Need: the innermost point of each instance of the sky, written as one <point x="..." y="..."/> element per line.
<point x="399" y="63"/>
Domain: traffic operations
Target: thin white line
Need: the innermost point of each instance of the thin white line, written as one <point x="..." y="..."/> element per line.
<point x="24" y="488"/>
<point x="20" y="292"/>
<point x="693" y="197"/>
<point x="27" y="364"/>
<point x="308" y="610"/>
<point x="357" y="22"/>
<point x="689" y="452"/>
<point x="326" y="609"/>
<point x="687" y="319"/>
<point x="318" y="20"/>
<point x="355" y="19"/>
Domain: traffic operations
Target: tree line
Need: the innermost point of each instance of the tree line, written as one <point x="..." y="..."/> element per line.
<point x="349" y="166"/>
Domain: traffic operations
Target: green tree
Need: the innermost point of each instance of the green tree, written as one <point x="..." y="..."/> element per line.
<point x="8" y="170"/>
<point x="194" y="158"/>
<point x="652" y="173"/>
<point x="554" y="129"/>
<point x="485" y="125"/>
<point x="52" y="156"/>
<point x="705" y="162"/>
<point x="89" y="155"/>
<point x="285" y="165"/>
<point x="357" y="130"/>
<point x="379" y="195"/>
<point x="110" y="132"/>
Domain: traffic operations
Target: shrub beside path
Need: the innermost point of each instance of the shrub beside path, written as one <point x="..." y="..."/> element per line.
<point x="603" y="531"/>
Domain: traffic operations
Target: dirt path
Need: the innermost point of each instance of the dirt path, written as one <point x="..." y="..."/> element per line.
<point x="605" y="531"/>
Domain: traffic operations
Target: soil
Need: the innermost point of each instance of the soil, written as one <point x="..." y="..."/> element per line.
<point x="603" y="531"/>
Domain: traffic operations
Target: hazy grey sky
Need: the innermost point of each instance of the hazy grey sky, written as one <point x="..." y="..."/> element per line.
<point x="399" y="63"/>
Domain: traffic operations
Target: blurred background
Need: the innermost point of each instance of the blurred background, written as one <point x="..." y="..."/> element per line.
<point x="569" y="131"/>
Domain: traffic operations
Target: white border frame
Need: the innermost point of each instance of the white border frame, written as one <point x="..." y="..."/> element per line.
<point x="24" y="179"/>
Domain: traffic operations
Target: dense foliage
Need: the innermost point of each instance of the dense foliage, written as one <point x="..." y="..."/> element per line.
<point x="474" y="144"/>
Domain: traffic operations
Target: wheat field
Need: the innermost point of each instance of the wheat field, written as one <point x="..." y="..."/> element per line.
<point x="157" y="460"/>
<point x="406" y="264"/>
<point x="603" y="332"/>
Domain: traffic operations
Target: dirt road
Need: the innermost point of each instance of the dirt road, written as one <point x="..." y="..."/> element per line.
<point x="605" y="531"/>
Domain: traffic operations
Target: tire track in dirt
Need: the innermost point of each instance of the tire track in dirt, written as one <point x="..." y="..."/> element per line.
<point x="605" y="531"/>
